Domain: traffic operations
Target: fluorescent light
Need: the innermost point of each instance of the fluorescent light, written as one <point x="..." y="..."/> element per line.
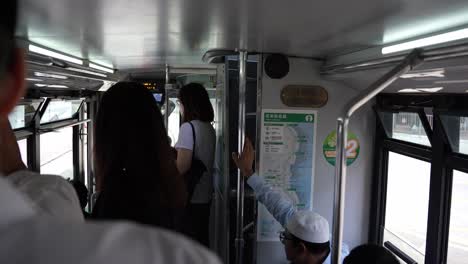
<point x="88" y="72"/>
<point x="98" y="67"/>
<point x="437" y="39"/>
<point x="57" y="86"/>
<point x="48" y="75"/>
<point x="50" y="85"/>
<point x="431" y="90"/>
<point x="409" y="90"/>
<point x="34" y="80"/>
<point x="54" y="54"/>
<point x="418" y="90"/>
<point x="440" y="73"/>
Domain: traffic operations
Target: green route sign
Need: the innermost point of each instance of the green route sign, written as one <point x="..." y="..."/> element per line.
<point x="352" y="148"/>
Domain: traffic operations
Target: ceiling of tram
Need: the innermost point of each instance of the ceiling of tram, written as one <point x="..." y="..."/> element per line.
<point x="146" y="33"/>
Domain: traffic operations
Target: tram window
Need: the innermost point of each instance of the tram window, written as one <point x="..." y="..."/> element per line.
<point x="60" y="110"/>
<point x="456" y="128"/>
<point x="407" y="204"/>
<point x="23" y="114"/>
<point x="458" y="237"/>
<point x="23" y="150"/>
<point x="57" y="153"/>
<point x="404" y="126"/>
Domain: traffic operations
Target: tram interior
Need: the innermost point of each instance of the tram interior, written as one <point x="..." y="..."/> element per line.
<point x="407" y="187"/>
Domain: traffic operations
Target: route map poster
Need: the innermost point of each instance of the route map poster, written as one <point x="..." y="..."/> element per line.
<point x="287" y="160"/>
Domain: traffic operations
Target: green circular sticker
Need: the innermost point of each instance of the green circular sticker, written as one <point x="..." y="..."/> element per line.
<point x="352" y="148"/>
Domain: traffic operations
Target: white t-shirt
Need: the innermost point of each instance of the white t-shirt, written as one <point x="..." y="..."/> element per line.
<point x="205" y="147"/>
<point x="49" y="194"/>
<point x="26" y="237"/>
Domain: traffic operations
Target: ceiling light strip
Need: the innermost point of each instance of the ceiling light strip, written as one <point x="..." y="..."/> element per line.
<point x="429" y="41"/>
<point x="46" y="52"/>
<point x="101" y="68"/>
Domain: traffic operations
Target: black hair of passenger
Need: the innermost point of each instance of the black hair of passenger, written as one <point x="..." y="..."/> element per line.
<point x="81" y="191"/>
<point x="8" y="16"/>
<point x="314" y="248"/>
<point x="370" y="254"/>
<point x="135" y="169"/>
<point x="196" y="103"/>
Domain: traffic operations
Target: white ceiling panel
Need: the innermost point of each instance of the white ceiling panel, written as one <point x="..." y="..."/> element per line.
<point x="142" y="33"/>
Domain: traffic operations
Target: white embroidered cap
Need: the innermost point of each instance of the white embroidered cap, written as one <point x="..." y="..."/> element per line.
<point x="309" y="226"/>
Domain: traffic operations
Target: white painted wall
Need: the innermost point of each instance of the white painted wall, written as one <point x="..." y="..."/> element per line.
<point x="306" y="72"/>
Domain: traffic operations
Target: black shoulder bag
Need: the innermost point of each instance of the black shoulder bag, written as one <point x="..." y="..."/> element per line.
<point x="193" y="175"/>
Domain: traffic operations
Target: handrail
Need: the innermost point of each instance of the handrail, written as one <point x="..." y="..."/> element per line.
<point x="61" y="124"/>
<point x="412" y="60"/>
<point x="402" y="255"/>
<point x="239" y="242"/>
<point x="427" y="54"/>
<point x="216" y="55"/>
<point x="166" y="99"/>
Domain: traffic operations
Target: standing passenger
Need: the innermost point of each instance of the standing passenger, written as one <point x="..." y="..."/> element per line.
<point x="27" y="236"/>
<point x="137" y="178"/>
<point x="197" y="115"/>
<point x="306" y="237"/>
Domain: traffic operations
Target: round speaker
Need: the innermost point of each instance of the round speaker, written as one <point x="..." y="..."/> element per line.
<point x="276" y="66"/>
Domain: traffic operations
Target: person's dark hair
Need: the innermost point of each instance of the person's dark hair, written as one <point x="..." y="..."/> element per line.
<point x="370" y="254"/>
<point x="8" y="16"/>
<point x="196" y="102"/>
<point x="314" y="248"/>
<point x="135" y="170"/>
<point x="81" y="191"/>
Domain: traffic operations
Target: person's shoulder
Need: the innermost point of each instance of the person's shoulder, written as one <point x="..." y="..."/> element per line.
<point x="51" y="194"/>
<point x="186" y="126"/>
<point x="163" y="246"/>
<point x="118" y="242"/>
<point x="26" y="178"/>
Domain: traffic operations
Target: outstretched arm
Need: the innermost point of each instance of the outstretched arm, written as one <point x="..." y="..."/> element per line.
<point x="275" y="200"/>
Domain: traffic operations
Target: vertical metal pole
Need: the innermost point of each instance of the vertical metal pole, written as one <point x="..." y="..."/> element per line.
<point x="241" y="135"/>
<point x="33" y="147"/>
<point x="77" y="154"/>
<point x="34" y="141"/>
<point x="166" y="101"/>
<point x="412" y="60"/>
<point x="340" y="185"/>
<point x="78" y="147"/>
<point x="92" y="109"/>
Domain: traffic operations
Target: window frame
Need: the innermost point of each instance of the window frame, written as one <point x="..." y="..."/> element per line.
<point x="395" y="110"/>
<point x="33" y="131"/>
<point x="443" y="162"/>
<point x="25" y="130"/>
<point x="75" y="116"/>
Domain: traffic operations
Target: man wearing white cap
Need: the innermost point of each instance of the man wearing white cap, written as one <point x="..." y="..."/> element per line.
<point x="306" y="237"/>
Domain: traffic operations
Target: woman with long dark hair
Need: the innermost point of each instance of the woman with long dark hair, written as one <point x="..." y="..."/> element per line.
<point x="197" y="140"/>
<point x="136" y="174"/>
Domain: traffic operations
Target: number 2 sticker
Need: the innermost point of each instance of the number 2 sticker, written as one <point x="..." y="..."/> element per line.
<point x="352" y="148"/>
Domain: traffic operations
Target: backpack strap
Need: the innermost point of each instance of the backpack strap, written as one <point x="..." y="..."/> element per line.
<point x="194" y="141"/>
